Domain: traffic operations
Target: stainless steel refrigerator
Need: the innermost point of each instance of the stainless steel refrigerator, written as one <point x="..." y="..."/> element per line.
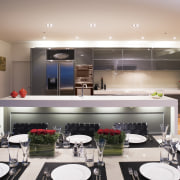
<point x="60" y="78"/>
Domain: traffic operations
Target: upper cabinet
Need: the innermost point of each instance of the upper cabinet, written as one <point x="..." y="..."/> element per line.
<point x="136" y="58"/>
<point x="83" y="56"/>
<point x="107" y="58"/>
<point x="166" y="59"/>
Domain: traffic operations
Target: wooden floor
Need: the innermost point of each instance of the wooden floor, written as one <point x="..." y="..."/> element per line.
<point x="179" y="124"/>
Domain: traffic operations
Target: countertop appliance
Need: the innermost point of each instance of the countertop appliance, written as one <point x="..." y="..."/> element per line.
<point x="60" y="78"/>
<point x="84" y="79"/>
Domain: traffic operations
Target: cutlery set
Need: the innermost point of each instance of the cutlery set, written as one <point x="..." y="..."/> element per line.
<point x="134" y="174"/>
<point x="13" y="173"/>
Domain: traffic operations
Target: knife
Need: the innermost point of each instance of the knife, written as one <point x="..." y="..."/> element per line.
<point x="17" y="172"/>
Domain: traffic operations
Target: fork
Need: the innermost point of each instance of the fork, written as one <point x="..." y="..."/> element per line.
<point x="130" y="170"/>
<point x="136" y="174"/>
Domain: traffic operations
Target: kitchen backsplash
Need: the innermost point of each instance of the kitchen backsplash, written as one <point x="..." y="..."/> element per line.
<point x="138" y="79"/>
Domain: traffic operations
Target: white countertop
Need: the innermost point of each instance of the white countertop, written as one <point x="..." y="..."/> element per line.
<point x="145" y="91"/>
<point x="87" y="101"/>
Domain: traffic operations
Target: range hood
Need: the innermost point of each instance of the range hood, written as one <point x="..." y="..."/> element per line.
<point x="60" y="54"/>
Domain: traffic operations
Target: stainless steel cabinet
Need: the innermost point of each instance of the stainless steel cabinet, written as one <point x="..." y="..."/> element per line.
<point x="38" y="71"/>
<point x="83" y="56"/>
<point x="136" y="58"/>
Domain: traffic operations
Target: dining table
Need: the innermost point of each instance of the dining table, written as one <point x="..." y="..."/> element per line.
<point x="112" y="163"/>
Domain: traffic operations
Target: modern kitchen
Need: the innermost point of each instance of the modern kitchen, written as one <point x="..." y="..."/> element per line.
<point x="99" y="77"/>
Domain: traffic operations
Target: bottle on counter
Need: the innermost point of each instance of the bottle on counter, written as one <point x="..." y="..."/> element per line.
<point x="101" y="82"/>
<point x="104" y="86"/>
<point x="75" y="150"/>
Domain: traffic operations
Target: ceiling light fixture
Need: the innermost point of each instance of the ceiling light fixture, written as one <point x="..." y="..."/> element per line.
<point x="174" y="38"/>
<point x="49" y="25"/>
<point x="92" y="25"/>
<point x="135" y="25"/>
<point x="142" y="37"/>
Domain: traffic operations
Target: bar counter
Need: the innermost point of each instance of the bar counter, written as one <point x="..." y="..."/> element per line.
<point x="93" y="102"/>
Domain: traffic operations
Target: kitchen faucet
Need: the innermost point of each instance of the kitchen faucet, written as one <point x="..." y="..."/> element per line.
<point x="83" y="86"/>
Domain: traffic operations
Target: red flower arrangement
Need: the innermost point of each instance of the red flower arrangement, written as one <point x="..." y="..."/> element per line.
<point x="111" y="136"/>
<point x="42" y="136"/>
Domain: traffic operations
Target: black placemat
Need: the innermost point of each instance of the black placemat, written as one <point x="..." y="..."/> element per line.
<point x="151" y="142"/>
<point x="52" y="165"/>
<point x="23" y="168"/>
<point x="135" y="166"/>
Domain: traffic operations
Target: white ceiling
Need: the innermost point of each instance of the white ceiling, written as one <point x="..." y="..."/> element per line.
<point x="25" y="20"/>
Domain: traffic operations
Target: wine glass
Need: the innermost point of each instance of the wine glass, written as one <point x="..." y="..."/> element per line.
<point x="25" y="150"/>
<point x="164" y="129"/>
<point x="100" y="146"/>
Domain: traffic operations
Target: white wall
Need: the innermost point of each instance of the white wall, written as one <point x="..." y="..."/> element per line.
<point x="5" y="76"/>
<point x="138" y="79"/>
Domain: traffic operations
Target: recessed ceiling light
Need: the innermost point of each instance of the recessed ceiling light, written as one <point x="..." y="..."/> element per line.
<point x="142" y="37"/>
<point x="49" y="25"/>
<point x="135" y="25"/>
<point x="174" y="38"/>
<point x="92" y="25"/>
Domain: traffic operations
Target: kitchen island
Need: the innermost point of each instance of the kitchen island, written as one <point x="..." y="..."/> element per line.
<point x="89" y="105"/>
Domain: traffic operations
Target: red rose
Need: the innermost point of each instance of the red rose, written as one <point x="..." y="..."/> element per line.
<point x="33" y="131"/>
<point x="106" y="131"/>
<point x="51" y="132"/>
<point x="117" y="131"/>
<point x="100" y="131"/>
<point x="112" y="132"/>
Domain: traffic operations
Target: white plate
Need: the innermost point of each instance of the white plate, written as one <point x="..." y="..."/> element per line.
<point x="79" y="138"/>
<point x="157" y="171"/>
<point x="136" y="138"/>
<point x="178" y="146"/>
<point x="71" y="172"/>
<point x="4" y="169"/>
<point x="18" y="138"/>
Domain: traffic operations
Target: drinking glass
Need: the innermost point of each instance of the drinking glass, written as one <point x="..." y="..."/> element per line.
<point x="89" y="157"/>
<point x="100" y="146"/>
<point x="66" y="143"/>
<point x="126" y="141"/>
<point x="164" y="129"/>
<point x="173" y="143"/>
<point x="164" y="154"/>
<point x="4" y="140"/>
<point x="59" y="140"/>
<point x="13" y="155"/>
<point x="25" y="150"/>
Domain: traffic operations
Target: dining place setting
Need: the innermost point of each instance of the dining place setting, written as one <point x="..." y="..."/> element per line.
<point x="14" y="167"/>
<point x="167" y="168"/>
<point x="73" y="157"/>
<point x="84" y="169"/>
